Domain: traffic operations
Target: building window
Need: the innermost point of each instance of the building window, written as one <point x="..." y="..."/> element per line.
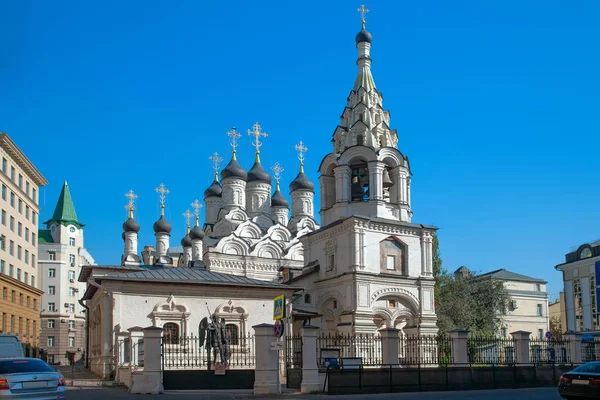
<point x="1" y="266"/>
<point x="232" y="334"/>
<point x="72" y="258"/>
<point x="26" y="256"/>
<point x="12" y="174"/>
<point x="72" y="291"/>
<point x="71" y="241"/>
<point x="171" y="333"/>
<point x="51" y="323"/>
<point x="71" y="324"/>
<point x="51" y="307"/>
<point x="20" y="181"/>
<point x="20" y="298"/>
<point x="391" y="263"/>
<point x="19" y="248"/>
<point x="540" y="310"/>
<point x="25" y="277"/>
<point x="33" y="239"/>
<point x="12" y="199"/>
<point x="504" y="333"/>
<point x="52" y="256"/>
<point x="307" y="298"/>
<point x="27" y="234"/>
<point x="11" y="248"/>
<point x="27" y="188"/>
<point x="34" y="217"/>
<point x="20" y="207"/>
<point x="34" y="195"/>
<point x="540" y="334"/>
<point x="11" y="270"/>
<point x="391" y="303"/>
<point x="26" y="211"/>
<point x="71" y="341"/>
<point x="3" y="218"/>
<point x="19" y="229"/>
<point x="4" y="165"/>
<point x="2" y="242"/>
<point x="12" y="224"/>
<point x="28" y="301"/>
<point x="50" y="341"/>
<point x="18" y="274"/>
<point x="71" y="308"/>
<point x="33" y="283"/>
<point x="585" y="253"/>
<point x="331" y="265"/>
<point x="3" y="192"/>
<point x="51" y="290"/>
<point x="72" y="275"/>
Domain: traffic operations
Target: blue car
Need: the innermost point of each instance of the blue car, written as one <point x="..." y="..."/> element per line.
<point x="582" y="382"/>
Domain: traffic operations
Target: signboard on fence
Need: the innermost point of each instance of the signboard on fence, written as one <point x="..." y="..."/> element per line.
<point x="279" y="307"/>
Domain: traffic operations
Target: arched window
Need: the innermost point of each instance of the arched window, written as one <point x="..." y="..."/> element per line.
<point x="585" y="253"/>
<point x="171" y="332"/>
<point x="307" y="298"/>
<point x="232" y="333"/>
<point x="360" y="140"/>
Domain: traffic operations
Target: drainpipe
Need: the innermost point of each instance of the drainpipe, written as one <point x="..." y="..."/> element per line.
<point x="87" y="333"/>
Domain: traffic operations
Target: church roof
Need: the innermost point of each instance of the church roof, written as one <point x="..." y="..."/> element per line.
<point x="301" y="182"/>
<point x="258" y="174"/>
<point x="193" y="276"/>
<point x="64" y="213"/>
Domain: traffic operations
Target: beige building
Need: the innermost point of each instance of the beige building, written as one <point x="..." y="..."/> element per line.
<point x="528" y="310"/>
<point x="20" y="182"/>
<point x="558" y="313"/>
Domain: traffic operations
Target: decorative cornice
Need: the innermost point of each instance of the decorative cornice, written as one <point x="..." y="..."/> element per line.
<point x="22" y="161"/>
<point x="396" y="291"/>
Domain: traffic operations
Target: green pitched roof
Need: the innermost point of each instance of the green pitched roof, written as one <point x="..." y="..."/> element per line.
<point x="64" y="213"/>
<point x="44" y="236"/>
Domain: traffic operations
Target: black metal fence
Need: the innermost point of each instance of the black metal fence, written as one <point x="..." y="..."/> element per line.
<point x="190" y="352"/>
<point x="366" y="347"/>
<point x="293" y="352"/>
<point x="590" y="350"/>
<point x="425" y="350"/>
<point x="484" y="351"/>
<point x="549" y="351"/>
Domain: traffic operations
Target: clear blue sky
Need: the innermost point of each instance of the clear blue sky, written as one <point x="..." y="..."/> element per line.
<point x="496" y="105"/>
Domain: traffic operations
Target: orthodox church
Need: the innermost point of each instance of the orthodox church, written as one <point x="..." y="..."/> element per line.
<point x="367" y="267"/>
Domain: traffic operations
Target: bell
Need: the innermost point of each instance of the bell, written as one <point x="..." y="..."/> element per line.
<point x="387" y="182"/>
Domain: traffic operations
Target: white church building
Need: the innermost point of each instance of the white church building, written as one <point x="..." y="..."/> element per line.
<point x="367" y="266"/>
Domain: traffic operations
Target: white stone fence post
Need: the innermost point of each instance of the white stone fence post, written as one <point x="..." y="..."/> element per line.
<point x="310" y="369"/>
<point x="266" y="373"/>
<point x="390" y="342"/>
<point x="459" y="347"/>
<point x="521" y="339"/>
<point x="149" y="379"/>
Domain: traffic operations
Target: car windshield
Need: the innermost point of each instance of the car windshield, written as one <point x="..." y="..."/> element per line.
<point x="24" y="365"/>
<point x="589" y="367"/>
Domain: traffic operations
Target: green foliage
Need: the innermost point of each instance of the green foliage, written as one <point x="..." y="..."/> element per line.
<point x="556" y="328"/>
<point x="470" y="303"/>
<point x="437" y="261"/>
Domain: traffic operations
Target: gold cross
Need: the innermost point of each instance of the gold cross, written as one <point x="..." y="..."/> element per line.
<point x="363" y="13"/>
<point x="216" y="159"/>
<point x="196" y="205"/>
<point x="277" y="170"/>
<point x="233" y="139"/>
<point x="131" y="203"/>
<point x="301" y="150"/>
<point x="162" y="195"/>
<point x="257" y="133"/>
<point x="188" y="218"/>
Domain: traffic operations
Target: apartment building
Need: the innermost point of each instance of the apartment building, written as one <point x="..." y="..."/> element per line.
<point x="19" y="218"/>
<point x="61" y="255"/>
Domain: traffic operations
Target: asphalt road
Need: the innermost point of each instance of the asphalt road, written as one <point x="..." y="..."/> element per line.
<point x="118" y="394"/>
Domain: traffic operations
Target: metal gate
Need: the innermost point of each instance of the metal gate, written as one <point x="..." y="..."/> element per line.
<point x="293" y="361"/>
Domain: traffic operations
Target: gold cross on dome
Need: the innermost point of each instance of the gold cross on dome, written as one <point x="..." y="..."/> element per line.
<point x="196" y="205"/>
<point x="131" y="203"/>
<point x="363" y="13"/>
<point x="216" y="159"/>
<point x="277" y="170"/>
<point x="233" y="138"/>
<point x="301" y="150"/>
<point x="188" y="217"/>
<point x="257" y="133"/>
<point x="162" y="194"/>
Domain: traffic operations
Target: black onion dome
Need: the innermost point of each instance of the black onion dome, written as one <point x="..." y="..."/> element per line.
<point x="123" y="235"/>
<point x="279" y="200"/>
<point x="258" y="174"/>
<point x="162" y="225"/>
<point x="131" y="225"/>
<point x="301" y="182"/>
<point x="214" y="190"/>
<point x="197" y="233"/>
<point x="364" y="36"/>
<point x="186" y="241"/>
<point x="234" y="170"/>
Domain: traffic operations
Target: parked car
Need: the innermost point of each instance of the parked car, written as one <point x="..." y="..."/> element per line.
<point x="582" y="382"/>
<point x="10" y="346"/>
<point x="30" y="378"/>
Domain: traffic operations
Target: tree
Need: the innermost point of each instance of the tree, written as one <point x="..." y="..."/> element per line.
<point x="556" y="328"/>
<point x="471" y="302"/>
<point x="437" y="261"/>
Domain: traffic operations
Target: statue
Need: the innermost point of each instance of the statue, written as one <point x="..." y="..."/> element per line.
<point x="214" y="335"/>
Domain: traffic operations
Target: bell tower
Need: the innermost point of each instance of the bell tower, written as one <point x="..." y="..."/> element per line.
<point x="365" y="174"/>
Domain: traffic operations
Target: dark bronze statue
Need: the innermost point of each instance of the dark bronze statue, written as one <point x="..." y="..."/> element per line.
<point x="213" y="334"/>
